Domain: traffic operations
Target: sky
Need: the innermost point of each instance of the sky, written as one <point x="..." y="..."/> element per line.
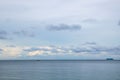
<point x="59" y="29"/>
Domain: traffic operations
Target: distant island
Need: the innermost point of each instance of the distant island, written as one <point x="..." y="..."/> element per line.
<point x="109" y="59"/>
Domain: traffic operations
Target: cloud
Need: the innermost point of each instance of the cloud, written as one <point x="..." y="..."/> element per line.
<point x="3" y="37"/>
<point x="34" y="53"/>
<point x="31" y="49"/>
<point x="7" y="52"/>
<point x="90" y="43"/>
<point x="10" y="46"/>
<point x="1" y="51"/>
<point x="82" y="50"/>
<point x="63" y="27"/>
<point x="61" y="50"/>
<point x="90" y="20"/>
<point x="23" y="33"/>
<point x="119" y="23"/>
<point x="11" y="34"/>
<point x="3" y="34"/>
<point x="45" y="50"/>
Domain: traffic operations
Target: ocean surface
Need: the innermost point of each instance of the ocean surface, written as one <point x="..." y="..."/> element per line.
<point x="59" y="70"/>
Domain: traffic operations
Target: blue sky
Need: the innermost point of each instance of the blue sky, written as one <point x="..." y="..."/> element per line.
<point x="59" y="29"/>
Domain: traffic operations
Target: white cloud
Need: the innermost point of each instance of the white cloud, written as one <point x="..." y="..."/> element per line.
<point x="34" y="53"/>
<point x="11" y="52"/>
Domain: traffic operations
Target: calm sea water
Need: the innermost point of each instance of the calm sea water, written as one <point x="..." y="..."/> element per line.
<point x="59" y="70"/>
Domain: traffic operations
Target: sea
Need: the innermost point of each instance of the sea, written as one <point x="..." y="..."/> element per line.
<point x="59" y="70"/>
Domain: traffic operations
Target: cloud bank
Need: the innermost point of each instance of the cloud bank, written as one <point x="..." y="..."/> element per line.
<point x="89" y="48"/>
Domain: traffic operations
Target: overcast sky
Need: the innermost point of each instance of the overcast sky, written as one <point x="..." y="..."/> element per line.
<point x="59" y="29"/>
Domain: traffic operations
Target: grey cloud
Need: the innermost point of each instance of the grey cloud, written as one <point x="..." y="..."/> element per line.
<point x="3" y="37"/>
<point x="3" y="34"/>
<point x="119" y="23"/>
<point x="90" y="43"/>
<point x="31" y="49"/>
<point x="90" y="20"/>
<point x="98" y="50"/>
<point x="10" y="46"/>
<point x="63" y="27"/>
<point x="24" y="33"/>
<point x="1" y="49"/>
<point x="114" y="50"/>
<point x="79" y="50"/>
